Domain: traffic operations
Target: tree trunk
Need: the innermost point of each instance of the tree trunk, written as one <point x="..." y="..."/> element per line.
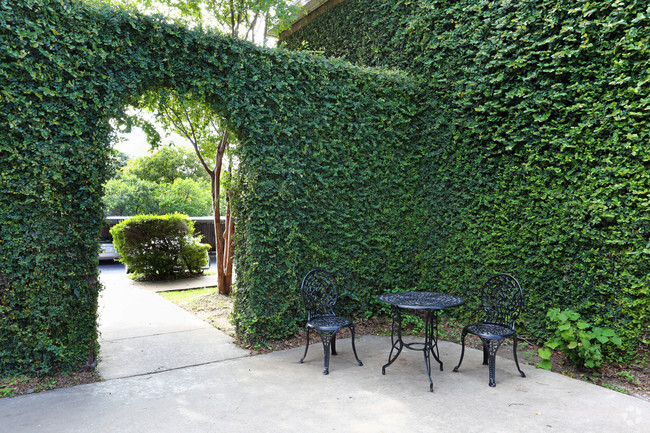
<point x="223" y="247"/>
<point x="228" y="245"/>
<point x="222" y="237"/>
<point x="222" y="282"/>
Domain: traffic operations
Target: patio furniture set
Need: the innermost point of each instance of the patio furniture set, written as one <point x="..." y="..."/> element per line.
<point x="502" y="300"/>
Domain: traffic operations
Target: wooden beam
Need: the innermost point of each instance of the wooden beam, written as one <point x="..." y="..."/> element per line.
<point x="314" y="8"/>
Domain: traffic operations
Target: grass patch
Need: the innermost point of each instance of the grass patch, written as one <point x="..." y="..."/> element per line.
<point x="206" y="304"/>
<point x="187" y="296"/>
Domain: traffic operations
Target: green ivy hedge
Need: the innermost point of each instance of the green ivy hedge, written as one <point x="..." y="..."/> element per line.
<point x="546" y="169"/>
<point x="434" y="177"/>
<point x="330" y="162"/>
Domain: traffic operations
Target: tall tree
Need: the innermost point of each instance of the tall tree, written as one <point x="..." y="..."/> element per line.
<point x="209" y="137"/>
<point x="170" y="180"/>
<point x="166" y="165"/>
<point x="244" y="19"/>
<point x="191" y="117"/>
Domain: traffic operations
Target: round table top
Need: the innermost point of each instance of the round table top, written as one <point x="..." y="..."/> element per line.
<point x="421" y="300"/>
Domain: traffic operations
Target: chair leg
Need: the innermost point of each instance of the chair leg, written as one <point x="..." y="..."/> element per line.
<point x="327" y="340"/>
<point x="462" y="350"/>
<point x="493" y="346"/>
<point x="514" y="352"/>
<point x="334" y="345"/>
<point x="354" y="349"/>
<point x="307" y="346"/>
<point x="486" y="354"/>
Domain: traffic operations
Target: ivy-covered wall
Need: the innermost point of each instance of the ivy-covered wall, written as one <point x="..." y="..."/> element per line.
<point x="329" y="168"/>
<point x="513" y="139"/>
<point x="546" y="169"/>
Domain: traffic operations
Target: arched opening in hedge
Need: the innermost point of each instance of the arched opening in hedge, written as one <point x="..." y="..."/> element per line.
<point x="312" y="132"/>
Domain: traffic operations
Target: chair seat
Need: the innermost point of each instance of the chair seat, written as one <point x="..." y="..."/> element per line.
<point x="331" y="323"/>
<point x="490" y="330"/>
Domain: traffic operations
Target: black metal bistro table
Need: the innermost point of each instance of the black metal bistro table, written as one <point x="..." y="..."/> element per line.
<point x="432" y="303"/>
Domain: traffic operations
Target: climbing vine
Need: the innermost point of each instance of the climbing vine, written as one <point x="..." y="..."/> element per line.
<point x="545" y="174"/>
<point x="508" y="137"/>
<point x="328" y="155"/>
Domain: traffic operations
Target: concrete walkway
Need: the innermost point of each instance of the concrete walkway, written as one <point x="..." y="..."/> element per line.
<point x="142" y="332"/>
<point x="168" y="372"/>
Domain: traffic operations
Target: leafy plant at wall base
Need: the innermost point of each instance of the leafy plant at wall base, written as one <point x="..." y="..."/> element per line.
<point x="579" y="340"/>
<point x="628" y="376"/>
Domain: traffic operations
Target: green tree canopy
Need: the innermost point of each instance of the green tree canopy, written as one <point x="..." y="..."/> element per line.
<point x="166" y="165"/>
<point x="243" y="19"/>
<point x="170" y="180"/>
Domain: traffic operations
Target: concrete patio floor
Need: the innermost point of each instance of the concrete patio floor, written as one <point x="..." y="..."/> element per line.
<point x="167" y="371"/>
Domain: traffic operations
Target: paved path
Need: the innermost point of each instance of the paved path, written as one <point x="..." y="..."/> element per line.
<point x="168" y="372"/>
<point x="141" y="332"/>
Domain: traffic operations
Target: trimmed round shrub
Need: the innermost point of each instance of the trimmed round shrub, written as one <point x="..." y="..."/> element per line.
<point x="160" y="246"/>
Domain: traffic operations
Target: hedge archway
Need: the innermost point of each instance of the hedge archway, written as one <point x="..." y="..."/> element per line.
<point x="312" y="131"/>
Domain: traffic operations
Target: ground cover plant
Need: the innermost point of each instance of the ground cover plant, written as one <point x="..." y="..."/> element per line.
<point x="15" y="385"/>
<point x="579" y="340"/>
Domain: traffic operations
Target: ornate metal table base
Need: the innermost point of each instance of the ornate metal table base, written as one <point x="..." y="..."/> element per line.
<point x="432" y="303"/>
<point x="429" y="346"/>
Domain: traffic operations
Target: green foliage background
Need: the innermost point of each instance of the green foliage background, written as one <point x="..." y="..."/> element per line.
<point x="543" y="166"/>
<point x="167" y="181"/>
<point x="166" y="165"/>
<point x="509" y="137"/>
<point x="330" y="160"/>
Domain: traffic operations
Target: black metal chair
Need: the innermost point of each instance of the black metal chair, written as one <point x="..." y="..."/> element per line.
<point x="502" y="300"/>
<point x="319" y="294"/>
